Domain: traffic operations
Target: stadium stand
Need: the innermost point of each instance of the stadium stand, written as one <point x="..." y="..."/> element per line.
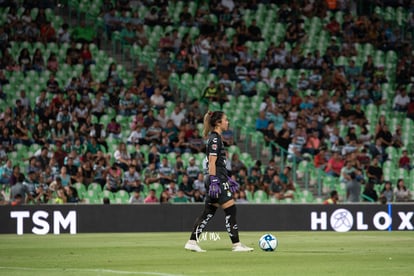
<point x="299" y="64"/>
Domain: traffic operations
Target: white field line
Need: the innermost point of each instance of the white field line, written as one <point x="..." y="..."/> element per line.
<point x="102" y="271"/>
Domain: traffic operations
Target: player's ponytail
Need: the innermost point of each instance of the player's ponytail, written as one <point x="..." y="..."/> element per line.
<point x="207" y="126"/>
<point x="211" y="118"/>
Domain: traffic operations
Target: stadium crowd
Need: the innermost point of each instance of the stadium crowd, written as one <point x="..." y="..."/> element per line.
<point x="141" y="140"/>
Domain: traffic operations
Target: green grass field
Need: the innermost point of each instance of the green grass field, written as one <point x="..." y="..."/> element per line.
<point x="298" y="253"/>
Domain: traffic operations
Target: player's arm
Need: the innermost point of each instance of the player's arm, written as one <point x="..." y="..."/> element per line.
<point x="212" y="164"/>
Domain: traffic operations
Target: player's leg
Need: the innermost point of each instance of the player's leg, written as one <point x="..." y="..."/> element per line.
<point x="230" y="211"/>
<point x="199" y="226"/>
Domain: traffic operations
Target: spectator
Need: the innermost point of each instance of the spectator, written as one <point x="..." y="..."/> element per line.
<point x="262" y="122"/>
<point x="236" y="164"/>
<point x="165" y="197"/>
<point x="333" y="27"/>
<point x="277" y="188"/>
<point x="72" y="195"/>
<point x="254" y="32"/>
<point x="131" y="180"/>
<point x="401" y="100"/>
<point x="113" y="129"/>
<point x="401" y="192"/>
<point x="114" y="179"/>
<point x="248" y="86"/>
<point x="333" y="198"/>
<point x="122" y="157"/>
<point x="369" y="194"/>
<point x="196" y="142"/>
<point x="112" y="22"/>
<point x="374" y="172"/>
<point x="61" y="196"/>
<point x="192" y="169"/>
<point x="404" y="161"/>
<point x="166" y="172"/>
<point x="199" y="185"/>
<point x="180" y="197"/>
<point x="151" y="174"/>
<point x="136" y="197"/>
<point x="38" y="62"/>
<point x="387" y="192"/>
<point x="151" y="198"/>
<point x="63" y="34"/>
<point x="106" y="201"/>
<point x="186" y="186"/>
<point x="353" y="188"/>
<point x="86" y="55"/>
<point x="178" y="115"/>
<point x="6" y="171"/>
<point x="319" y="160"/>
<point x="227" y="135"/>
<point x="47" y="33"/>
<point x="24" y="60"/>
<point x="52" y="63"/>
<point x="313" y="143"/>
<point x="153" y="133"/>
<point x="385" y="136"/>
<point x="197" y="197"/>
<point x="335" y="165"/>
<point x="397" y="139"/>
<point x="294" y="150"/>
<point x="31" y="183"/>
<point x="137" y="135"/>
<point x="270" y="137"/>
<point x="377" y="151"/>
<point x="286" y="179"/>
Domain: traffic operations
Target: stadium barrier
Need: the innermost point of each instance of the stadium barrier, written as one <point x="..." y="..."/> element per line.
<point x="73" y="219"/>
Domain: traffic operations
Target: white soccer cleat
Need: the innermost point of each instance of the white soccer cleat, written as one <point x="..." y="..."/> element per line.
<point x="193" y="246"/>
<point x="239" y="247"/>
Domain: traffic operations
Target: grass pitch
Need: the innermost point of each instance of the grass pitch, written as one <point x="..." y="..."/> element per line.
<point x="298" y="253"/>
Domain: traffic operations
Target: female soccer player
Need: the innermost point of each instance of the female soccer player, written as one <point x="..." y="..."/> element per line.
<point x="220" y="185"/>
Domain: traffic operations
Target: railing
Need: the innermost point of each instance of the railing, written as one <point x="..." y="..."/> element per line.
<point x="255" y="144"/>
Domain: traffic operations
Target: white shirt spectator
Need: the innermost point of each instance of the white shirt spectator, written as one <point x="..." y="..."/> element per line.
<point x="199" y="185"/>
<point x="177" y="116"/>
<point x="98" y="105"/>
<point x="163" y="119"/>
<point x="157" y="100"/>
<point x="63" y="35"/>
<point x="81" y="112"/>
<point x="135" y="136"/>
<point x="205" y="46"/>
<point x="228" y="4"/>
<point x="334" y="106"/>
<point x="265" y="75"/>
<point x="303" y="83"/>
<point x="401" y="100"/>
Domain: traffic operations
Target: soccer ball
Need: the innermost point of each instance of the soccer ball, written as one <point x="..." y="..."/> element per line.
<point x="268" y="242"/>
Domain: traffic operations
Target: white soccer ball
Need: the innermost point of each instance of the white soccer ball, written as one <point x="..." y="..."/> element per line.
<point x="268" y="242"/>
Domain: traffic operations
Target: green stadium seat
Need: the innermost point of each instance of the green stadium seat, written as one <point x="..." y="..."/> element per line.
<point x="122" y="196"/>
<point x="80" y="188"/>
<point x="329" y="183"/>
<point x="159" y="188"/>
<point x="304" y="167"/>
<point x="249" y="196"/>
<point x="95" y="187"/>
<point x="108" y="194"/>
<point x="388" y="170"/>
<point x="306" y="197"/>
<point x="92" y="197"/>
<point x="260" y="196"/>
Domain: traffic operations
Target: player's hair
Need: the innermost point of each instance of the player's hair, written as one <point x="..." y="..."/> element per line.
<point x="211" y="118"/>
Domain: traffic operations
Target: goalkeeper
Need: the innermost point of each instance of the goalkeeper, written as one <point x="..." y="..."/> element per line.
<point x="219" y="185"/>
